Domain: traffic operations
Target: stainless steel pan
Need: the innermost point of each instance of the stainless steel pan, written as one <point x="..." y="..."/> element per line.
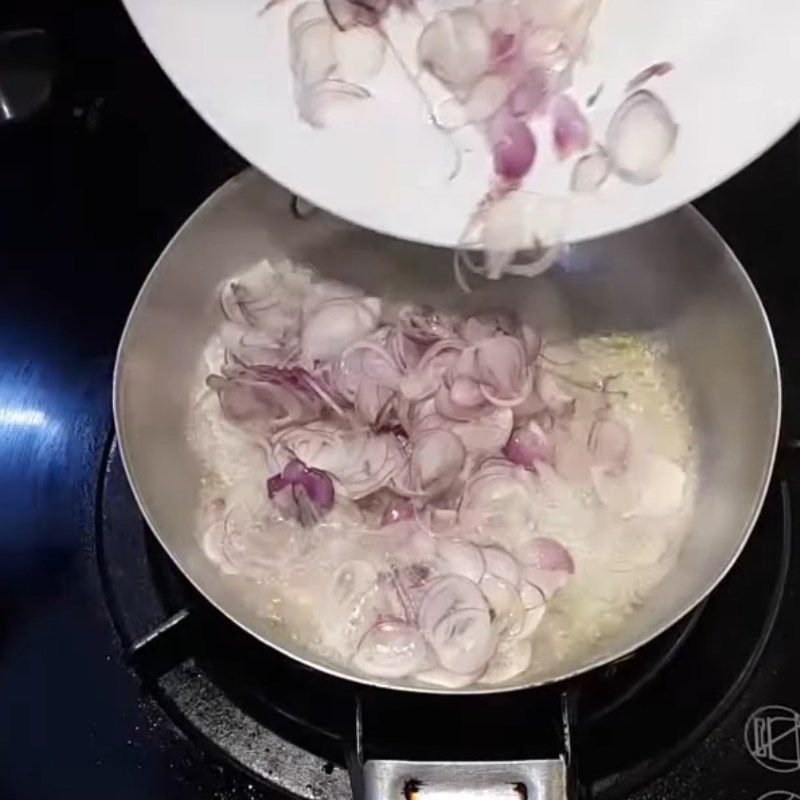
<point x="674" y="276"/>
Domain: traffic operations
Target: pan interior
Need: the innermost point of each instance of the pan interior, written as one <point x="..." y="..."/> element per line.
<point x="673" y="277"/>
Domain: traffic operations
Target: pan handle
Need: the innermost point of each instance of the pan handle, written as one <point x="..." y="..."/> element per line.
<point x="457" y="780"/>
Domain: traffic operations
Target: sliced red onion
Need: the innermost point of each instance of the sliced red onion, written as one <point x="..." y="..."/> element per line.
<point x="463" y="401"/>
<point x="547" y="554"/>
<point x="590" y="172"/>
<point x="531" y="96"/>
<point x="549" y="581"/>
<point x="315" y="102"/>
<point x="347" y="14"/>
<point x="398" y="510"/>
<point x="265" y="398"/>
<point x="532" y="341"/>
<point x="485" y="435"/>
<point x="533" y="405"/>
<point x="557" y="399"/>
<point x="350" y="581"/>
<point x="498" y="496"/>
<point x="531" y="595"/>
<point x="475" y="329"/>
<point x="313" y="59"/>
<point x="571" y="132"/>
<point x="437" y="459"/>
<point x="640" y="138"/>
<point x="609" y="443"/>
<point x="520" y="233"/>
<point x="466" y="393"/>
<point x="663" y="484"/>
<point x="501" y="564"/>
<point x="305" y="493"/>
<point x="391" y="649"/>
<point x="532" y="620"/>
<point x="504" y="47"/>
<point x="335" y="324"/>
<point x="425" y="379"/>
<point x="484" y="99"/>
<point x="506" y="605"/>
<point x="446" y="679"/>
<point x="445" y="595"/>
<point x="460" y="557"/>
<point x="501" y="368"/>
<point x="463" y="640"/>
<point x="360" y="461"/>
<point x="501" y="17"/>
<point x="360" y="53"/>
<point x="656" y="70"/>
<point x="618" y="491"/>
<point x="310" y="11"/>
<point x="513" y="148"/>
<point x="456" y="47"/>
<point x="529" y="444"/>
<point x="544" y="46"/>
<point x="573" y="461"/>
<point x="424" y="325"/>
<point x="510" y="660"/>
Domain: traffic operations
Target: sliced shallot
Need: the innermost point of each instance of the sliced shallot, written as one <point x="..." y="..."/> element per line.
<point x="571" y="132"/>
<point x="513" y="148"/>
<point x="463" y="640"/>
<point x="444" y="678"/>
<point x="547" y="554"/>
<point x="640" y="138"/>
<point x="336" y="324"/>
<point x="656" y="70"/>
<point x="506" y="605"/>
<point x="436" y="461"/>
<point x="460" y="557"/>
<point x="391" y="649"/>
<point x="484" y="99"/>
<point x="359" y="53"/>
<point x="456" y="47"/>
<point x="501" y="564"/>
<point x="529" y="444"/>
<point x="510" y="660"/>
<point x="590" y="172"/>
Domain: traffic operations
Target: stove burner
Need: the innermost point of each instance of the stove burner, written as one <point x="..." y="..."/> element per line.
<point x="297" y="729"/>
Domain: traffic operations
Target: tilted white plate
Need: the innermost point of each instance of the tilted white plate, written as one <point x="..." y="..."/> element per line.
<point x="734" y="91"/>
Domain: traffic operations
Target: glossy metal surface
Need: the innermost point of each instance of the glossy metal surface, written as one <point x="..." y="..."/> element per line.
<point x="674" y="277"/>
<point x="473" y="780"/>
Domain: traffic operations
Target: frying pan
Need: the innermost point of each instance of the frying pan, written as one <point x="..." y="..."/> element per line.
<point x="673" y="277"/>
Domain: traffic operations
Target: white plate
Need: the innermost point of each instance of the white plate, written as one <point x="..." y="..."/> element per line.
<point x="733" y="92"/>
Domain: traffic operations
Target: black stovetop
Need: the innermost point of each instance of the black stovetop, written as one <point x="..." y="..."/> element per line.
<point x="116" y="682"/>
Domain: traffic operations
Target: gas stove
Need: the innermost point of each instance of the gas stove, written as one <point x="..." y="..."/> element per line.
<point x="118" y="681"/>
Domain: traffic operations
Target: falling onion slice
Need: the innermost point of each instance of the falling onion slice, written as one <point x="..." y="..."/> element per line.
<point x="640" y="138"/>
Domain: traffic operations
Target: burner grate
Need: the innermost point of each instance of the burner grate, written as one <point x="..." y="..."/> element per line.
<point x="297" y="729"/>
